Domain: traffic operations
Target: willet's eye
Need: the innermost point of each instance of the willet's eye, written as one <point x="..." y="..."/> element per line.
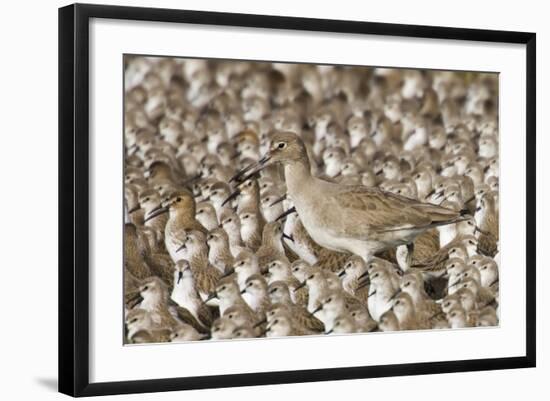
<point x="145" y="288"/>
<point x="329" y="300"/>
<point x="281" y="145"/>
<point x="178" y="199"/>
<point x="407" y="284"/>
<point x="397" y="302"/>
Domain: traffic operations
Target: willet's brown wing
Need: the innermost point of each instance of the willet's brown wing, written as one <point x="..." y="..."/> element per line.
<point x="362" y="211"/>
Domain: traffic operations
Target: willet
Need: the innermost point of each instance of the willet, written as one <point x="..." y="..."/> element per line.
<point x="355" y="219"/>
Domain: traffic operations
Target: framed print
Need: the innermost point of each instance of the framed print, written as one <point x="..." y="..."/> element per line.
<point x="237" y="189"/>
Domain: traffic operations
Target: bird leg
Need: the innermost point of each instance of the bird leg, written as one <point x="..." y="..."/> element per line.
<point x="410" y="252"/>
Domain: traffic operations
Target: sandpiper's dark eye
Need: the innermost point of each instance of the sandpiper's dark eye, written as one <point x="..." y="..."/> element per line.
<point x="276" y="321"/>
<point x="453" y="314"/>
<point x="175" y="335"/>
<point x="230" y="220"/>
<point x="145" y="288"/>
<point x="407" y="284"/>
<point x="376" y="275"/>
<point x="223" y="288"/>
<point x="178" y="199"/>
<point x="397" y="302"/>
<point x="329" y="300"/>
<point x="281" y="145"/>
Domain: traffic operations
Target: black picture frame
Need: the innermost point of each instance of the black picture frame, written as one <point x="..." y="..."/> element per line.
<point x="74" y="198"/>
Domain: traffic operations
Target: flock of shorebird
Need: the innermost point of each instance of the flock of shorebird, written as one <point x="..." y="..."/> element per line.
<point x="271" y="199"/>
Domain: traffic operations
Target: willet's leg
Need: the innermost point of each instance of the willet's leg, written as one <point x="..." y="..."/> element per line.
<point x="410" y="253"/>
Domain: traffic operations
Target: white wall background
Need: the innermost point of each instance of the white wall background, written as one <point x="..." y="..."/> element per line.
<point x="28" y="198"/>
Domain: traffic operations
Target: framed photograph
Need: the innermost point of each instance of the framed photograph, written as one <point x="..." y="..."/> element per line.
<point x="238" y="190"/>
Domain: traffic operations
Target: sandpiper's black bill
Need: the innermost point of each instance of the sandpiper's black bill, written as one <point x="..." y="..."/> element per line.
<point x="134" y="209"/>
<point x="227" y="273"/>
<point x="233" y="195"/>
<point x="288" y="237"/>
<point x="363" y="284"/>
<point x="278" y="200"/>
<point x="155" y="213"/>
<point x="395" y="294"/>
<point x="317" y="309"/>
<point x="260" y="323"/>
<point x="283" y="215"/>
<point x="210" y="298"/>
